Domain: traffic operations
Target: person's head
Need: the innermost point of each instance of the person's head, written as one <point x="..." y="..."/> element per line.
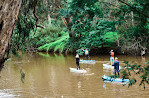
<point x="111" y="50"/>
<point x="116" y="58"/>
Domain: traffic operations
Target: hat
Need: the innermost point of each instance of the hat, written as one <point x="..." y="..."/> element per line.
<point x="111" y="50"/>
<point x="116" y="58"/>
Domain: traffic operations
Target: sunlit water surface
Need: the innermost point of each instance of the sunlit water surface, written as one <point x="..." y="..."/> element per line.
<point x="48" y="75"/>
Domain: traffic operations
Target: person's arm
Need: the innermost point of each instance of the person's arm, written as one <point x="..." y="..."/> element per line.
<point x="118" y="65"/>
<point x="83" y="50"/>
<point x="114" y="64"/>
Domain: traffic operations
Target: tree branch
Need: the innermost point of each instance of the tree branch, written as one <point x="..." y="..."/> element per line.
<point x="134" y="8"/>
<point x="34" y="12"/>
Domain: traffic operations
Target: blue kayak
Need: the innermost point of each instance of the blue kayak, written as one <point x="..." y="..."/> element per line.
<point x="107" y="78"/>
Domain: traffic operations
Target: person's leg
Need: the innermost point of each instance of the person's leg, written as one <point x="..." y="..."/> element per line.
<point x="118" y="73"/>
<point x="86" y="56"/>
<point x="111" y="60"/>
<point x="79" y="67"/>
<point x="77" y="64"/>
<point x="114" y="73"/>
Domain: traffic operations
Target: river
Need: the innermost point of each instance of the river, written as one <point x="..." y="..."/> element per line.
<point x="48" y="76"/>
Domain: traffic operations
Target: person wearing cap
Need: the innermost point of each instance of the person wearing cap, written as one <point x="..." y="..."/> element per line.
<point x="77" y="61"/>
<point x="111" y="57"/>
<point x="116" y="66"/>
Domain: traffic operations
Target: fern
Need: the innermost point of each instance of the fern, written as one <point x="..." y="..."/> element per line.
<point x="59" y="44"/>
<point x="60" y="47"/>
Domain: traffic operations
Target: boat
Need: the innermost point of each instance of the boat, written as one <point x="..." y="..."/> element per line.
<point x="108" y="66"/>
<point x="78" y="71"/>
<point x="88" y="61"/>
<point x="108" y="78"/>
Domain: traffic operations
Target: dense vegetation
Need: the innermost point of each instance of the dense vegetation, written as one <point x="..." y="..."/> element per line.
<point x="73" y="25"/>
<point x="70" y="25"/>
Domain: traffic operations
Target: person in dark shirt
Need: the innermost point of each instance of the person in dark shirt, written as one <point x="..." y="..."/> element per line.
<point x="77" y="61"/>
<point x="116" y="66"/>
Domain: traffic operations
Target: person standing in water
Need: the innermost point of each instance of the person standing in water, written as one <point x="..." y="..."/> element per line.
<point x="86" y="54"/>
<point x="116" y="66"/>
<point x="111" y="57"/>
<point x="77" y="61"/>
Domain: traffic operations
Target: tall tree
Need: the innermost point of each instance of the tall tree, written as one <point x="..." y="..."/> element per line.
<point x="8" y="16"/>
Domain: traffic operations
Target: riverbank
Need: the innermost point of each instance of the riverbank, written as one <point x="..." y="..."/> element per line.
<point x="97" y="51"/>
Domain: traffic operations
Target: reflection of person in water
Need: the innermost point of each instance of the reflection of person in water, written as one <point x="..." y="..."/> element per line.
<point x="79" y="82"/>
<point x="104" y="85"/>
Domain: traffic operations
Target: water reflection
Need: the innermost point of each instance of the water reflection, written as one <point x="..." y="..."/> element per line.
<point x="4" y="94"/>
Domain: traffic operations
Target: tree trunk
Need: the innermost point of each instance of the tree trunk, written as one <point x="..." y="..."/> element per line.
<point x="8" y="15"/>
<point x="117" y="36"/>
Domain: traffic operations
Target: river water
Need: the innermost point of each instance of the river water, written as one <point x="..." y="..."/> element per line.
<point x="48" y="76"/>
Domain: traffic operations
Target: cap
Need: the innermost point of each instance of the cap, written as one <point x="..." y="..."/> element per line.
<point x="116" y="58"/>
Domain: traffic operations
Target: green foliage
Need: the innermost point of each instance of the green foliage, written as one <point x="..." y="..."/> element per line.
<point x="133" y="22"/>
<point x="44" y="36"/>
<point x="58" y="44"/>
<point x="90" y="24"/>
<point x="142" y="71"/>
<point x="88" y="30"/>
<point x="27" y="35"/>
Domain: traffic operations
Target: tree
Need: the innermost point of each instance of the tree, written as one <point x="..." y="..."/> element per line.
<point x="36" y="22"/>
<point x="8" y="16"/>
<point x="133" y="24"/>
<point x="86" y="23"/>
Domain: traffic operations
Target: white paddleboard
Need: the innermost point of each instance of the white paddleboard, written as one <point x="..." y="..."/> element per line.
<point x="88" y="61"/>
<point x="77" y="71"/>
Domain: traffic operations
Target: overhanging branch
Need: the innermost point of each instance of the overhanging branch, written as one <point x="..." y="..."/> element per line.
<point x="34" y="12"/>
<point x="134" y="8"/>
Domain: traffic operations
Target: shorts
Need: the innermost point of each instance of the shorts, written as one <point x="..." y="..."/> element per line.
<point x="111" y="59"/>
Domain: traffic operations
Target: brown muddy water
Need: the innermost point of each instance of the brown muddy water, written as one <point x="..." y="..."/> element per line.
<point x="48" y="76"/>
